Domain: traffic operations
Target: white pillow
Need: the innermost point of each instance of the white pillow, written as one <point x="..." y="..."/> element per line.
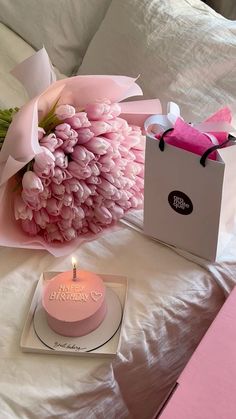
<point x="12" y="51"/>
<point x="182" y="49"/>
<point x="64" y="27"/>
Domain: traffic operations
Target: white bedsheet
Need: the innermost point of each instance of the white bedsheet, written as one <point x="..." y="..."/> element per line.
<point x="171" y="302"/>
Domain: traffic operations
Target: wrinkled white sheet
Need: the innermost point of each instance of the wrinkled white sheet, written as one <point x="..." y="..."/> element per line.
<point x="171" y="302"/>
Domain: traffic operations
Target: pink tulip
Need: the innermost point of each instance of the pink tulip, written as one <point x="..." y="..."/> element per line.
<point x="115" y="137"/>
<point x="98" y="145"/>
<point x="32" y="201"/>
<point x="115" y="109"/>
<point x="132" y="170"/>
<point x="107" y="164"/>
<point x="85" y="228"/>
<point x="142" y="169"/>
<point x="98" y="111"/>
<point x="89" y="212"/>
<point x="125" y="195"/>
<point x="79" y="120"/>
<point x="105" y="194"/>
<point x="93" y="180"/>
<point x="109" y="203"/>
<point x="41" y="218"/>
<point x="103" y="215"/>
<point x="64" y="111"/>
<point x="64" y="131"/>
<point x="86" y="190"/>
<point x="65" y="224"/>
<point x="109" y="177"/>
<point x="126" y="205"/>
<point x="54" y="206"/>
<point x="78" y="212"/>
<point x="77" y="224"/>
<point x="60" y="175"/>
<point x="95" y="168"/>
<point x="44" y="163"/>
<point x="132" y="139"/>
<point x="119" y="124"/>
<point x="117" y="195"/>
<point x="31" y="183"/>
<point x="113" y="152"/>
<point x="69" y="144"/>
<point x="102" y="110"/>
<point x="41" y="133"/>
<point x="127" y="183"/>
<point x="51" y="227"/>
<point x="69" y="234"/>
<point x="117" y="212"/>
<point x="82" y="155"/>
<point x="68" y="199"/>
<point x="95" y="228"/>
<point x="107" y="186"/>
<point x="139" y="155"/>
<point x="139" y="182"/>
<point x="135" y="202"/>
<point x="124" y="151"/>
<point x="131" y="156"/>
<point x="79" y="172"/>
<point x="45" y="194"/>
<point x="51" y="142"/>
<point x="30" y="227"/>
<point x="67" y="213"/>
<point x="84" y="135"/>
<point x="142" y="141"/>
<point x="72" y="185"/>
<point x="21" y="209"/>
<point x="58" y="191"/>
<point x="93" y="189"/>
<point x="61" y="160"/>
<point x="89" y="202"/>
<point x="100" y="127"/>
<point x="53" y="236"/>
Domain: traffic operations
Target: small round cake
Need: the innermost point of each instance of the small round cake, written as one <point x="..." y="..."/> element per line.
<point x="74" y="307"/>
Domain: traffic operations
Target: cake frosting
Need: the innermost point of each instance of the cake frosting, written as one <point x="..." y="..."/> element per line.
<point x="74" y="307"/>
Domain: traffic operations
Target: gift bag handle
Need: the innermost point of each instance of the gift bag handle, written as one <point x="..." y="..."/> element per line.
<point x="205" y="154"/>
<point x="162" y="140"/>
<point x="214" y="148"/>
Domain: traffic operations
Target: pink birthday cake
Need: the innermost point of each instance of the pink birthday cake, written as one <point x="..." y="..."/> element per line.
<point x="74" y="307"/>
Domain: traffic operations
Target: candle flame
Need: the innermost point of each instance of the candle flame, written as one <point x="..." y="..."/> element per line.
<point x="73" y="261"/>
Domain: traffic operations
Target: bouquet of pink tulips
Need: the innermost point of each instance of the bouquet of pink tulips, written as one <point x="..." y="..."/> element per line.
<point x="71" y="163"/>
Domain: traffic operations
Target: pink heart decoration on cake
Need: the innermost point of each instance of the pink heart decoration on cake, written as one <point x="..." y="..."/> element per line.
<point x="95" y="295"/>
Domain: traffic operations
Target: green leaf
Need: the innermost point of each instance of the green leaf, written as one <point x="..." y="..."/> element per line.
<point x="50" y="121"/>
<point x="6" y="116"/>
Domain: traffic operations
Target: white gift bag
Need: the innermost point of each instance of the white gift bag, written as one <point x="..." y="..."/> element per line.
<point x="187" y="204"/>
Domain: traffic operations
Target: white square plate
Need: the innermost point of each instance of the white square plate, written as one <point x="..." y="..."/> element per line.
<point x="30" y="342"/>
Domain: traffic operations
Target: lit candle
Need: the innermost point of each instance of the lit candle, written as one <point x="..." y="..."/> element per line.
<point x="74" y="277"/>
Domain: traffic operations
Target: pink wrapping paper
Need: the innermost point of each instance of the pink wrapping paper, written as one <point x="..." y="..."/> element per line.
<point x="21" y="143"/>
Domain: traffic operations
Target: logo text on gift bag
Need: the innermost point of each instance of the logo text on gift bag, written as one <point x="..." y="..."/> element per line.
<point x="180" y="202"/>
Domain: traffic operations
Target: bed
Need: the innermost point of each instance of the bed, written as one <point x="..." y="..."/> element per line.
<point x="172" y="296"/>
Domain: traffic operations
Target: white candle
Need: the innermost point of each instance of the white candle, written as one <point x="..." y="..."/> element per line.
<point x="74" y="277"/>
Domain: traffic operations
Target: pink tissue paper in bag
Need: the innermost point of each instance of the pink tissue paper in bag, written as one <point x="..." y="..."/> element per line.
<point x="190" y="138"/>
